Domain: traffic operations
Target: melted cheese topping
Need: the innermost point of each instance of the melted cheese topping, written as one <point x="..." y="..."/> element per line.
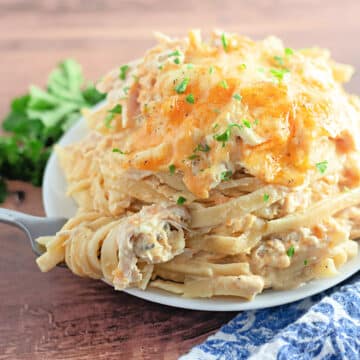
<point x="181" y="101"/>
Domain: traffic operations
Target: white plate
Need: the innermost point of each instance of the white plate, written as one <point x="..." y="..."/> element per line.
<point x="57" y="204"/>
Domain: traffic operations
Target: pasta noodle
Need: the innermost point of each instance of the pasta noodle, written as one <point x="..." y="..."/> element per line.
<point x="217" y="168"/>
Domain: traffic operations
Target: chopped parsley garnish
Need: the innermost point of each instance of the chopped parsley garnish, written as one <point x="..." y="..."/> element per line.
<point x="289" y="51"/>
<point x="160" y="67"/>
<point x="203" y="148"/>
<point x="116" y="150"/>
<point x="175" y="53"/>
<point x="322" y="166"/>
<point x="266" y="197"/>
<point x="211" y="69"/>
<point x="279" y="60"/>
<point x="215" y="126"/>
<point x="177" y="61"/>
<point x="243" y="66"/>
<point x="172" y="169"/>
<point x="256" y="121"/>
<point x="36" y="121"/>
<point x="190" y="99"/>
<point x="181" y="88"/>
<point x="306" y="262"/>
<point x="279" y="73"/>
<point x="181" y="200"/>
<point x="237" y="97"/>
<point x="247" y="123"/>
<point x="290" y="251"/>
<point x="225" y="136"/>
<point x="193" y="157"/>
<point x="224" y="84"/>
<point x="226" y="175"/>
<point x="117" y="109"/>
<point x="225" y="42"/>
<point x="123" y="70"/>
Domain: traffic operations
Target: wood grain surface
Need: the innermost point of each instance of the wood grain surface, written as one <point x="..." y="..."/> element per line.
<point x="60" y="316"/>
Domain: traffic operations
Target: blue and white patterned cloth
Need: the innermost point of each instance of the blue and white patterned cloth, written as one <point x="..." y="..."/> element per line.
<point x="325" y="326"/>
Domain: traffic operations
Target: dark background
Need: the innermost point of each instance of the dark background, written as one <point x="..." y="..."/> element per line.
<point x="60" y="316"/>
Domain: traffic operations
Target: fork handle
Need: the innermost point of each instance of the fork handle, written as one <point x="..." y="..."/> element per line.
<point x="16" y="218"/>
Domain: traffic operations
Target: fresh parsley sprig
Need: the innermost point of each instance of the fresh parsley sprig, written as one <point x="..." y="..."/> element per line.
<point x="38" y="119"/>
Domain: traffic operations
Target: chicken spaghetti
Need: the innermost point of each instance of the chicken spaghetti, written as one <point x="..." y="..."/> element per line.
<point x="215" y="168"/>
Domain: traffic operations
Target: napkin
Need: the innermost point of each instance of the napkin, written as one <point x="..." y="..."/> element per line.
<point x="324" y="326"/>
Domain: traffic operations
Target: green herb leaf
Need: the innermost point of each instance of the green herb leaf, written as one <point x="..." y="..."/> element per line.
<point x="306" y="262"/>
<point x="225" y="136"/>
<point x="279" y="73"/>
<point x="226" y="175"/>
<point x="175" y="53"/>
<point x="116" y="150"/>
<point x="279" y="60"/>
<point x="290" y="251"/>
<point x="289" y="51"/>
<point x="266" y="197"/>
<point x="193" y="157"/>
<point x="225" y="42"/>
<point x="172" y="169"/>
<point x="322" y="166"/>
<point x="237" y="97"/>
<point x="177" y="61"/>
<point x="190" y="99"/>
<point x="181" y="200"/>
<point x="181" y="88"/>
<point x="242" y="66"/>
<point x="203" y="148"/>
<point x="247" y="123"/>
<point x="123" y="71"/>
<point x="224" y="84"/>
<point x="38" y="119"/>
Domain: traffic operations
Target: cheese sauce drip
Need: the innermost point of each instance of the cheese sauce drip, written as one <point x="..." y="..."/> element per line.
<point x="209" y="109"/>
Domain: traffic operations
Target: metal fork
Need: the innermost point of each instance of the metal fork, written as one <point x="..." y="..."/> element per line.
<point x="32" y="226"/>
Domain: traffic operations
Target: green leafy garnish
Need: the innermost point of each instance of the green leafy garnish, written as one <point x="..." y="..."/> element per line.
<point x="190" y="99"/>
<point x="225" y="42"/>
<point x="175" y="53"/>
<point x="38" y="119"/>
<point x="181" y="88"/>
<point x="247" y="123"/>
<point x="279" y="73"/>
<point x="266" y="197"/>
<point x="116" y="150"/>
<point x="237" y="97"/>
<point x="172" y="169"/>
<point x="203" y="148"/>
<point x="177" y="61"/>
<point x="224" y="84"/>
<point x="289" y="51"/>
<point x="225" y="136"/>
<point x="322" y="166"/>
<point x="181" y="200"/>
<point x="306" y="262"/>
<point x="242" y="66"/>
<point x="117" y="109"/>
<point x="226" y="175"/>
<point x="279" y="60"/>
<point x="193" y="157"/>
<point x="290" y="251"/>
<point x="123" y="70"/>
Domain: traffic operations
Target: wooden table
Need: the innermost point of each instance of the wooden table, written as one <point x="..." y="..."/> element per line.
<point x="60" y="316"/>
